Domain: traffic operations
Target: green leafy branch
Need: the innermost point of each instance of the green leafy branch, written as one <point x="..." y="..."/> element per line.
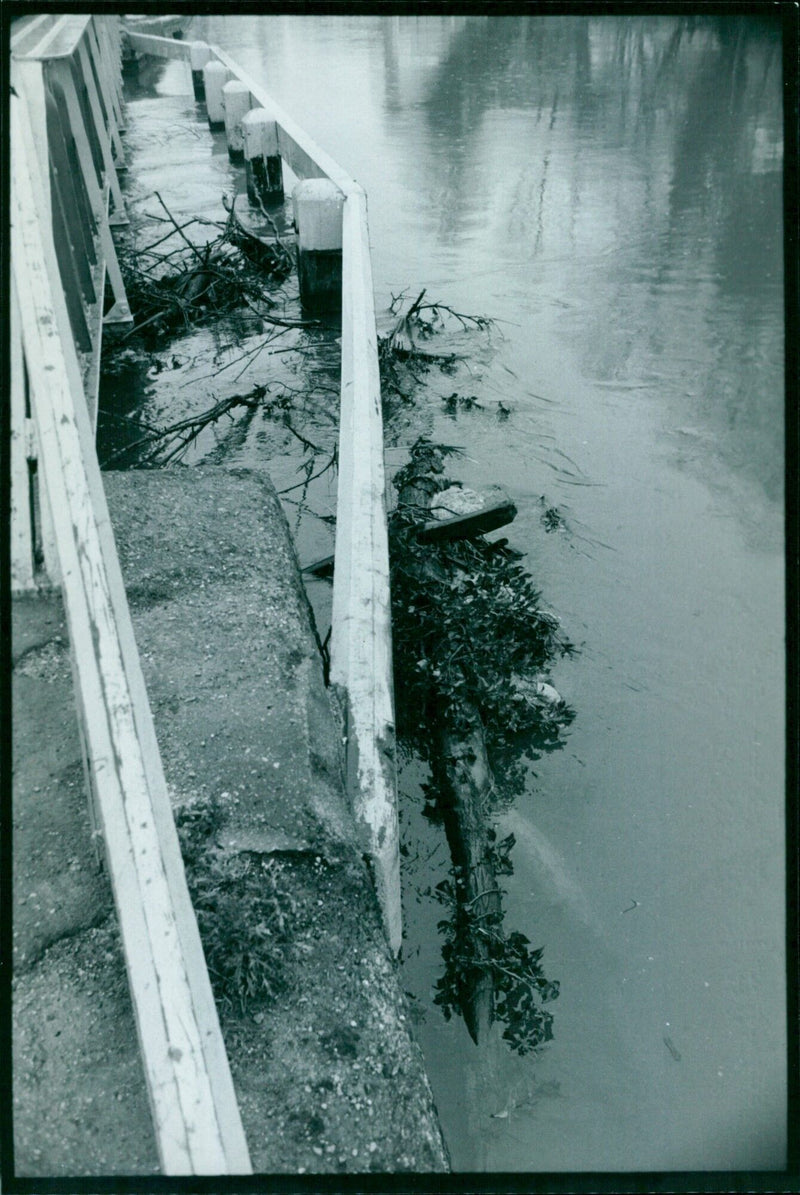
<point x="474" y="946"/>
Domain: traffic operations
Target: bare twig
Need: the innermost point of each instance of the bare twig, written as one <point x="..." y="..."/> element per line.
<point x="324" y="469"/>
<point x="178" y="229"/>
<point x="190" y="427"/>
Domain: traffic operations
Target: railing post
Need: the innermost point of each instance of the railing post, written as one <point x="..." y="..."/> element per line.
<point x="236" y="103"/>
<point x="318" y="205"/>
<point x="70" y="184"/>
<point x="200" y="53"/>
<point x="120" y="312"/>
<point x="215" y="76"/>
<point x="107" y="32"/>
<point x="107" y="88"/>
<point x="262" y="158"/>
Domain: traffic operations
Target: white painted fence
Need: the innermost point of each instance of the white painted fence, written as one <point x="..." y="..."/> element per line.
<point x="361" y="648"/>
<point x="196" y="1117"/>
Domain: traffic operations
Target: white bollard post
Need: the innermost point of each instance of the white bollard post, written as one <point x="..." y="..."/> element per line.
<point x="236" y="102"/>
<point x="199" y="54"/>
<point x="262" y="157"/>
<point x="215" y="76"/>
<point x="318" y="205"/>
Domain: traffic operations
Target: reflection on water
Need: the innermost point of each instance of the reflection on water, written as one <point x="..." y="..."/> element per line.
<point x="610" y="189"/>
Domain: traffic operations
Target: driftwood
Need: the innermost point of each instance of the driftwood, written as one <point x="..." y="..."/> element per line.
<point x="465" y="779"/>
<point x="463" y="526"/>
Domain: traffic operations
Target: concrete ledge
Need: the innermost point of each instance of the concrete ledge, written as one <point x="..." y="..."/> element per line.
<point x="327" y="1075"/>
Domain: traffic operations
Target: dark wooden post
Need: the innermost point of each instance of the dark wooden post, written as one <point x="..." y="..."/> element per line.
<point x="262" y="157"/>
<point x="199" y="55"/>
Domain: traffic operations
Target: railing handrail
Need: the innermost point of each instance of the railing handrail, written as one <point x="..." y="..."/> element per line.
<point x="361" y="634"/>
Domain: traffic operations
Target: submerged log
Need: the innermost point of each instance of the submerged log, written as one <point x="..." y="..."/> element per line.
<point x="465" y="780"/>
<point x="463" y="777"/>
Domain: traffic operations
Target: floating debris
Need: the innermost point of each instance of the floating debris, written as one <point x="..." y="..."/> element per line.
<point x="471" y="647"/>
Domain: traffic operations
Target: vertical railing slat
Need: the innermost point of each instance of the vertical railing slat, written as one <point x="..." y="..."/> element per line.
<point x="119" y="216"/>
<point x="22" y="571"/>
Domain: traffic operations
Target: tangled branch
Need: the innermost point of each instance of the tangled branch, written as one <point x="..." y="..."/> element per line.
<point x="171" y="287"/>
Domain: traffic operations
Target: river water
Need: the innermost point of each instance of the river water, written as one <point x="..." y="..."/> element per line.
<point x="609" y="190"/>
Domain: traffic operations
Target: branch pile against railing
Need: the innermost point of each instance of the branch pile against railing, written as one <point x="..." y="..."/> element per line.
<point x="171" y="286"/>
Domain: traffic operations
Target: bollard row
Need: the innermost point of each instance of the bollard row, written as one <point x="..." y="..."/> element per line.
<point x="252" y="137"/>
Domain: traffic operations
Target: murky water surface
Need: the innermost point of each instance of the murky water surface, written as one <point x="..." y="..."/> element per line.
<point x="609" y="189"/>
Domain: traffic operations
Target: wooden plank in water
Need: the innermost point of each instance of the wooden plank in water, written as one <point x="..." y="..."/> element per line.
<point x="463" y="526"/>
<point x="195" y="1114"/>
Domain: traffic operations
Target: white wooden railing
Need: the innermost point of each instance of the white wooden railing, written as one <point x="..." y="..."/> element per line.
<point x="54" y="318"/>
<point x="361" y="650"/>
